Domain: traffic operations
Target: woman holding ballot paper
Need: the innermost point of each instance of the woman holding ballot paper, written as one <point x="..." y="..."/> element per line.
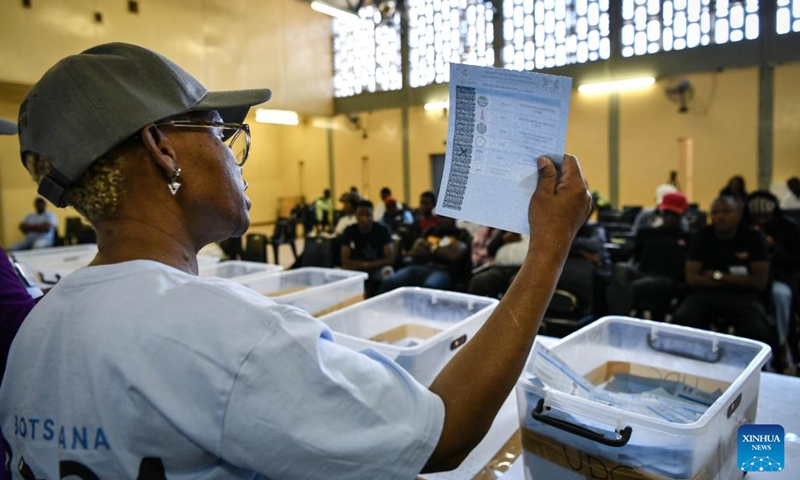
<point x="135" y="367"/>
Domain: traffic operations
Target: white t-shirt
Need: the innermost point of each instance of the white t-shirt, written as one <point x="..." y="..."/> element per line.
<point x="344" y="222"/>
<point x="124" y="368"/>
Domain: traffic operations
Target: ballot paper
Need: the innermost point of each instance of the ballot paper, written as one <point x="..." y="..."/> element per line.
<point x="500" y="122"/>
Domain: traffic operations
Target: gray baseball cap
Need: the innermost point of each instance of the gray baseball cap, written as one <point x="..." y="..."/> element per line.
<point x="7" y="128"/>
<point x="88" y="103"/>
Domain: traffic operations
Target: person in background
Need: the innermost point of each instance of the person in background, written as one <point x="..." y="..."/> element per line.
<point x="782" y="237"/>
<point x="436" y="260"/>
<point x="174" y="375"/>
<point x="349" y="202"/>
<point x="396" y="217"/>
<point x="737" y="189"/>
<point x="485" y="243"/>
<point x="383" y="205"/>
<point x="659" y="257"/>
<point x="367" y="247"/>
<point x="39" y="228"/>
<point x="727" y="272"/>
<point x="494" y="281"/>
<point x="650" y="217"/>
<point x="426" y="218"/>
<point x="323" y="207"/>
<point x="791" y="201"/>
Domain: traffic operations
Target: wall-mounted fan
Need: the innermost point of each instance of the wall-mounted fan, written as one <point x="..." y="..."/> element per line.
<point x="682" y="93"/>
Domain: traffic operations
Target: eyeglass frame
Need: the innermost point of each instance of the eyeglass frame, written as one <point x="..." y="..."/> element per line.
<point x="239" y="127"/>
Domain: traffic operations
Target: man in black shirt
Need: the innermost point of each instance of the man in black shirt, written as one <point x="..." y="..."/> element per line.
<point x="658" y="258"/>
<point x="367" y="246"/>
<point x="727" y="271"/>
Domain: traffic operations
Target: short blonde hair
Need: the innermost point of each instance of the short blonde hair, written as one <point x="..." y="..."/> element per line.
<point x="97" y="194"/>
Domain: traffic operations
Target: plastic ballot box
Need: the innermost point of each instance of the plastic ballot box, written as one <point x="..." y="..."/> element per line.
<point x="631" y="399"/>
<point x="316" y="290"/>
<point x="421" y="329"/>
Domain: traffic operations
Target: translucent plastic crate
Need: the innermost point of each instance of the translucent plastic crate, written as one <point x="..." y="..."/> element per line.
<point x="52" y="264"/>
<point x="421" y="329"/>
<point x="316" y="290"/>
<point x="570" y="438"/>
<point x="237" y="270"/>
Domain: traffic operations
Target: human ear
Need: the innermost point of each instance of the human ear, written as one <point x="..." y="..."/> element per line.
<point x="160" y="149"/>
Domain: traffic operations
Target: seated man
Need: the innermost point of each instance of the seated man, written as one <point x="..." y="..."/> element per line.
<point x="727" y="272"/>
<point x="426" y="218"/>
<point x="349" y="202"/>
<point x="39" y="228"/>
<point x="395" y="216"/>
<point x="437" y="260"/>
<point x="495" y="280"/>
<point x="367" y="246"/>
<point x="659" y="257"/>
<point x="782" y="238"/>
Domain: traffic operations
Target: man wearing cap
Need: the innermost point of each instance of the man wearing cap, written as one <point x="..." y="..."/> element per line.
<point x="649" y="217"/>
<point x="135" y="367"/>
<point x="659" y="256"/>
<point x="349" y="202"/>
<point x="382" y="206"/>
<point x="727" y="272"/>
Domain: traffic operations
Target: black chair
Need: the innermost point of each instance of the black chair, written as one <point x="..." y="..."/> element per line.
<point x="72" y="230"/>
<point x="232" y="247"/>
<point x="573" y="302"/>
<point x="255" y="249"/>
<point x="285" y="233"/>
<point x="318" y="252"/>
<point x="629" y="213"/>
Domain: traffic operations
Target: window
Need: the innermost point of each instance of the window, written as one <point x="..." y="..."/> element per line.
<point x="650" y="26"/>
<point x="366" y="54"/>
<point x="550" y="33"/>
<point x="788" y="16"/>
<point x="444" y="31"/>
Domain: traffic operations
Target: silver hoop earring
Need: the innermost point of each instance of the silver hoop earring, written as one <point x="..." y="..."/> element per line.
<point x="174" y="184"/>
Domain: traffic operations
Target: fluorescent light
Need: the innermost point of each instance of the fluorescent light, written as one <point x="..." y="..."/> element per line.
<point x="436" y="106"/>
<point x="333" y="11"/>
<point x="617" y="85"/>
<point x="282" y="117"/>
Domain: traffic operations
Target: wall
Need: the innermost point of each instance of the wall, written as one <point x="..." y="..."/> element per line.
<point x="226" y="44"/>
<point x="282" y="44"/>
<point x="786" y="124"/>
<point x="722" y="121"/>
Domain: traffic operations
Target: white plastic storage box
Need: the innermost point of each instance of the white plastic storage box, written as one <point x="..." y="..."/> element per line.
<point x="567" y="437"/>
<point x="237" y="270"/>
<point x="316" y="290"/>
<point x="51" y="264"/>
<point x="421" y="329"/>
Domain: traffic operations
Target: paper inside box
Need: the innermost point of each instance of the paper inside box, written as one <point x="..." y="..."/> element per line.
<point x="408" y="334"/>
<point x="604" y="372"/>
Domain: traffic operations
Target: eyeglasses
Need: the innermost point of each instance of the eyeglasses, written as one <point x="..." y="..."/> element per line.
<point x="235" y="135"/>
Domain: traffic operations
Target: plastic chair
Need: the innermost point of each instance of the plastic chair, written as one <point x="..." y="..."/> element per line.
<point x="232" y="247"/>
<point x="573" y="301"/>
<point x="285" y="233"/>
<point x="255" y="248"/>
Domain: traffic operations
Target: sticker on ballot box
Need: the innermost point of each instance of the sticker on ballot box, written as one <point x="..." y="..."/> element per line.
<point x="761" y="448"/>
